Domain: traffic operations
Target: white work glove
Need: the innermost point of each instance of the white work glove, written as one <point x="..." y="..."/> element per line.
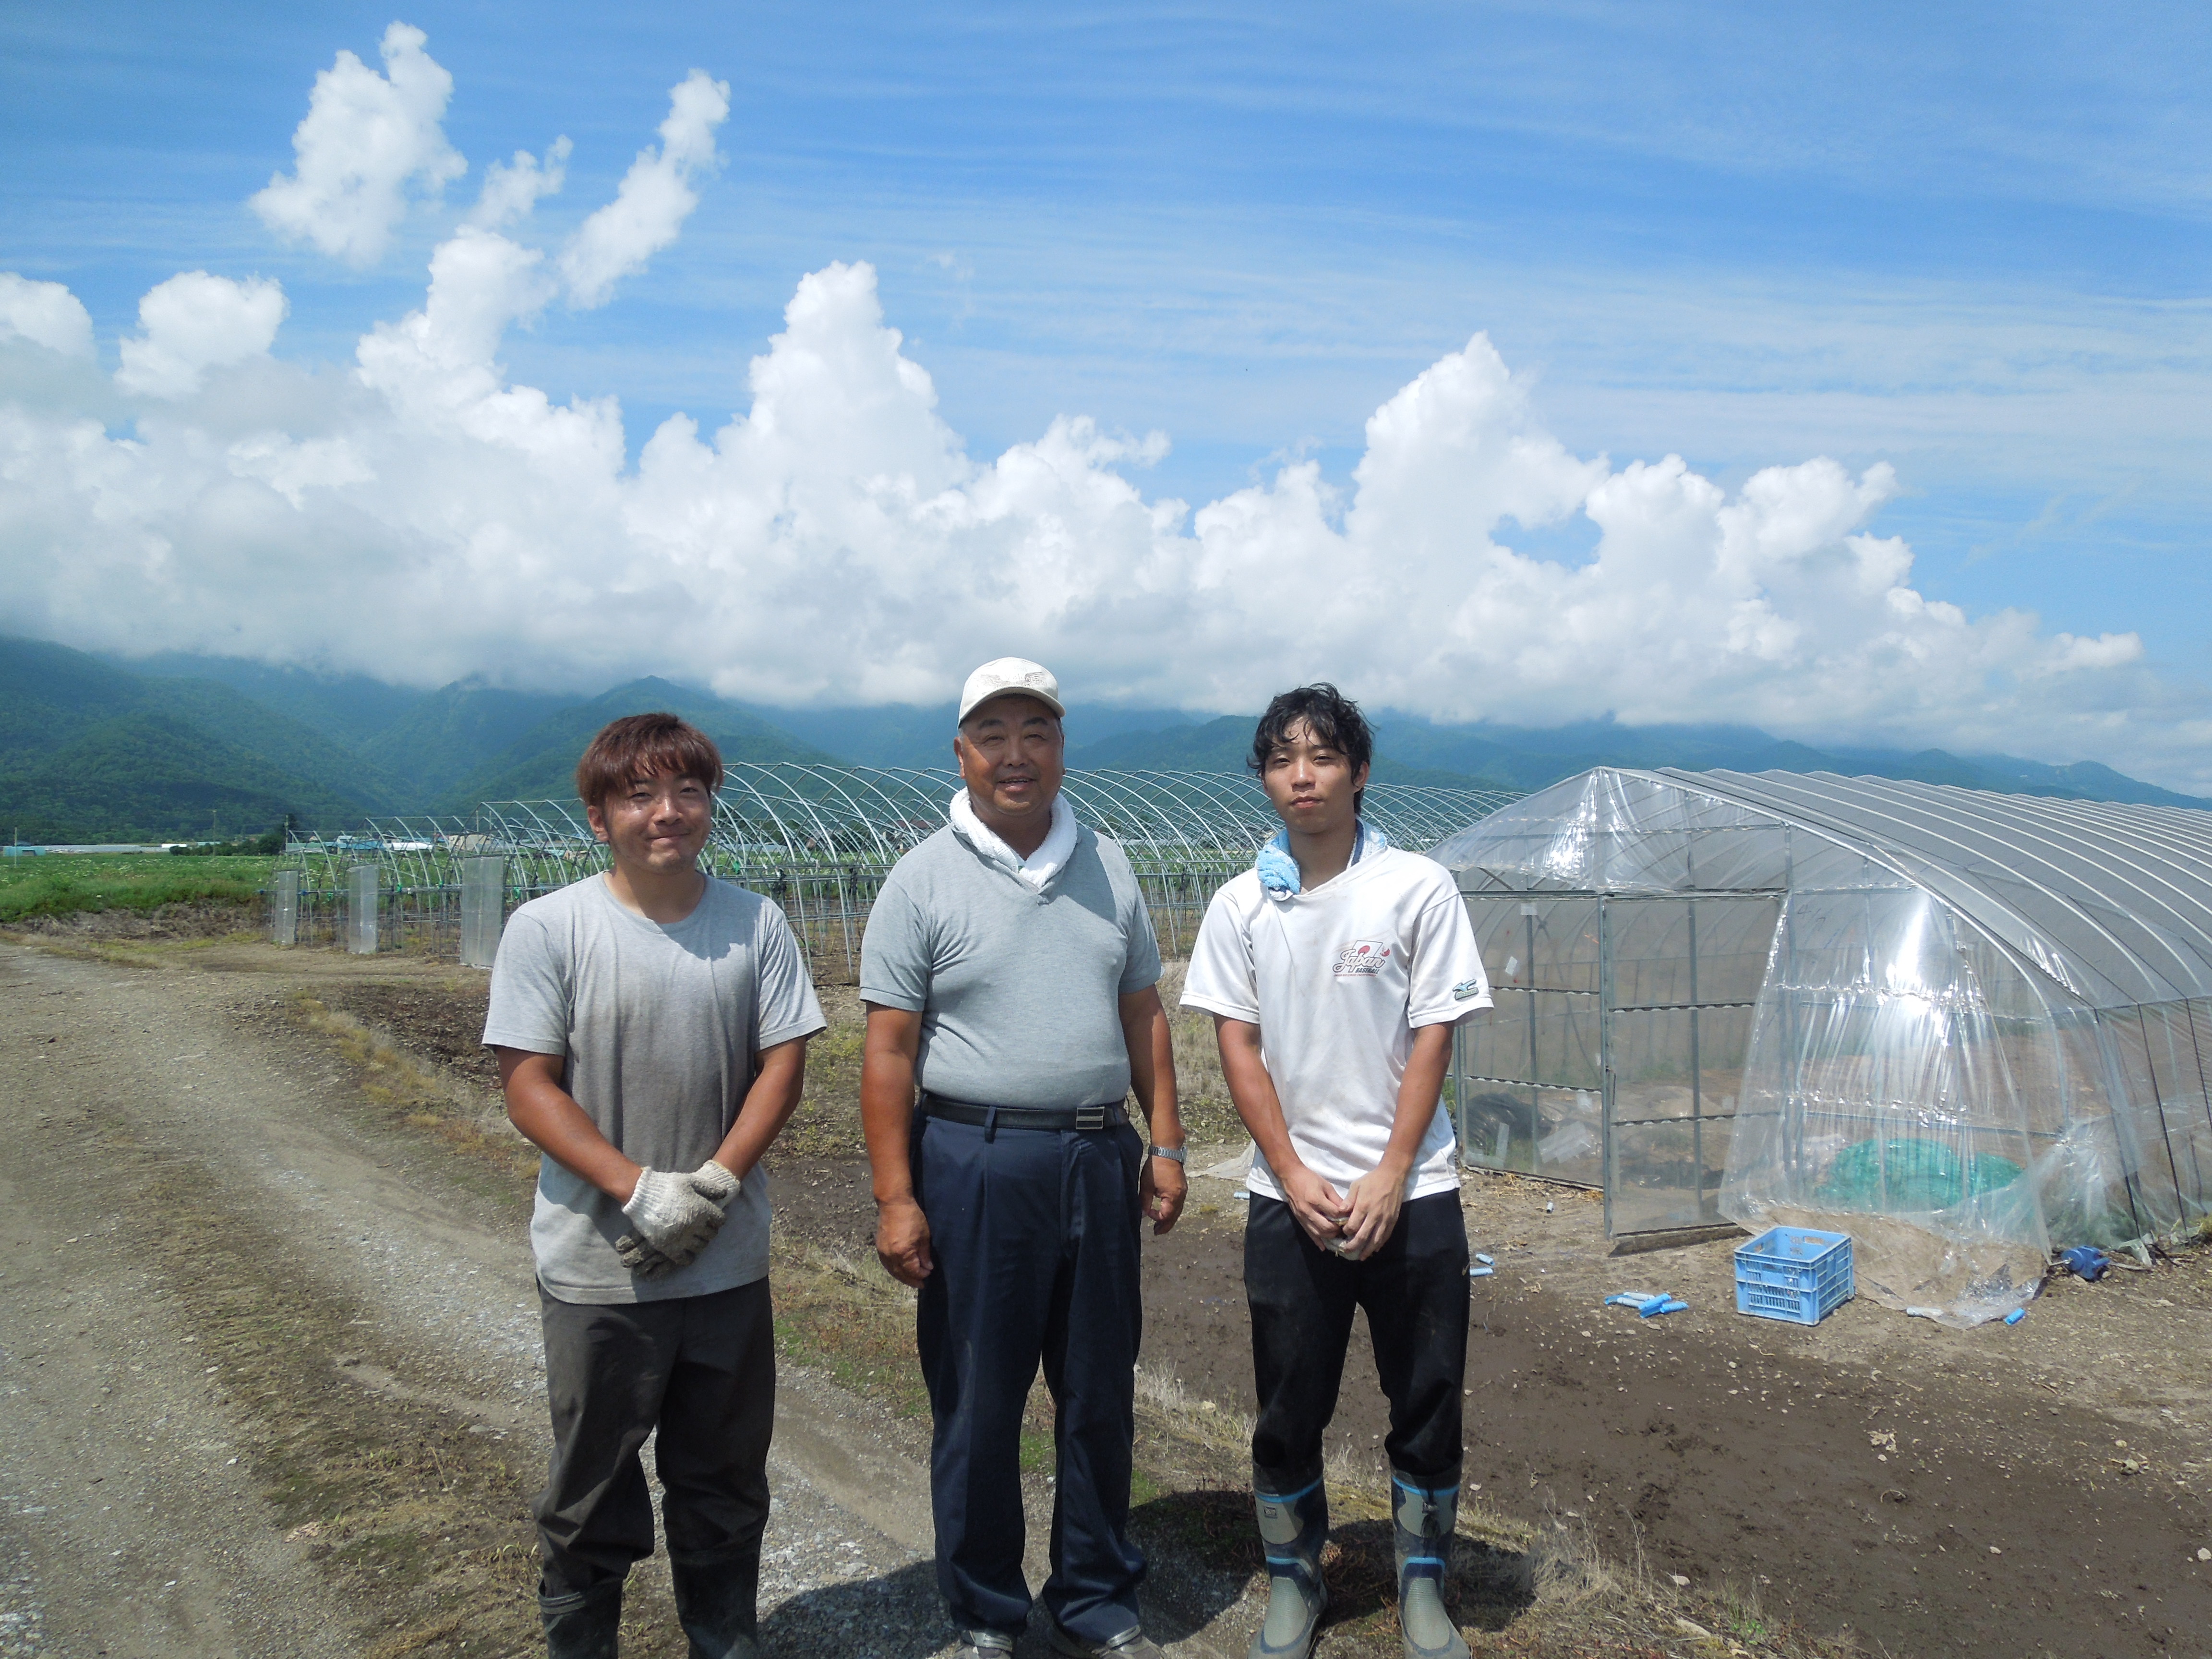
<point x="676" y="1216"/>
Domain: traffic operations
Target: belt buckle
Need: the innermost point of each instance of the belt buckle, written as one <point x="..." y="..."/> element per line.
<point x="1090" y="1118"/>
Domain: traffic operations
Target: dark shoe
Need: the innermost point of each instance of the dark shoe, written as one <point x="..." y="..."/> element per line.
<point x="1131" y="1643"/>
<point x="717" y="1602"/>
<point x="1422" y="1520"/>
<point x="984" y="1644"/>
<point x="1293" y="1527"/>
<point x="582" y="1624"/>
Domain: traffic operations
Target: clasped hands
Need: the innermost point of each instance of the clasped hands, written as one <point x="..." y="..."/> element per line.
<point x="674" y="1216"/>
<point x="1353" y="1227"/>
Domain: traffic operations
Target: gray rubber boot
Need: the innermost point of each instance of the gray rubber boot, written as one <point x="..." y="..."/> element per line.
<point x="717" y="1602"/>
<point x="1294" y="1525"/>
<point x="582" y="1625"/>
<point x="1422" y="1518"/>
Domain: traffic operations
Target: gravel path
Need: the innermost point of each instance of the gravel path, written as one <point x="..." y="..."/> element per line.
<point x="216" y="1260"/>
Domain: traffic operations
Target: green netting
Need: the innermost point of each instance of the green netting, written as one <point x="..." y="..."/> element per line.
<point x="1908" y="1176"/>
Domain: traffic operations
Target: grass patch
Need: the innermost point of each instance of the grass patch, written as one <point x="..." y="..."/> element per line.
<point x="464" y="1119"/>
<point x="1201" y="1093"/>
<point x="65" y="883"/>
<point x="828" y="1121"/>
<point x="845" y="1315"/>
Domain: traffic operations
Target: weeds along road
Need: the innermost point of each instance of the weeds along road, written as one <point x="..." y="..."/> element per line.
<point x="270" y="1368"/>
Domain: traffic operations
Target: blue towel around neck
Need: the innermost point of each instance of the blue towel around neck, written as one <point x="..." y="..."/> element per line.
<point x="1278" y="871"/>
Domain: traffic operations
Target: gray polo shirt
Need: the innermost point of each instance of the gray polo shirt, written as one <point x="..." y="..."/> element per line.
<point x="1019" y="989"/>
<point x="661" y="1028"/>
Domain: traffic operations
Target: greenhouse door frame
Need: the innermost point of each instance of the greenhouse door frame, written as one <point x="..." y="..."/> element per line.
<point x="1707" y="1207"/>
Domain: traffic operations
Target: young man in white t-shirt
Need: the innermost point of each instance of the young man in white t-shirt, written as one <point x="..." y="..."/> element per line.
<point x="1335" y="971"/>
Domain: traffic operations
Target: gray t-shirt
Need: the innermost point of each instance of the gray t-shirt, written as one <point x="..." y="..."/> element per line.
<point x="661" y="1027"/>
<point x="1019" y="989"/>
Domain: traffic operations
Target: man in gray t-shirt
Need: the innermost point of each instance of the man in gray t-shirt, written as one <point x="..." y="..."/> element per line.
<point x="1008" y="971"/>
<point x="651" y="1025"/>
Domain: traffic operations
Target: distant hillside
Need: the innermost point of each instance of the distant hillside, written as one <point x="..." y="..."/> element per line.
<point x="289" y="744"/>
<point x="903" y="734"/>
<point x="1224" y="745"/>
<point x="450" y="734"/>
<point x="93" y="748"/>
<point x="88" y="752"/>
<point x="541" y="763"/>
<point x="1411" y="750"/>
<point x="149" y="776"/>
<point x="350" y="708"/>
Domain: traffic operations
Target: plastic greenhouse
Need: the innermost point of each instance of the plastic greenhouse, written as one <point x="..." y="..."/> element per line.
<point x="1963" y="1027"/>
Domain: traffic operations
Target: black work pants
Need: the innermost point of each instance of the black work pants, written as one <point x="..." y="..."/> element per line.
<point x="1414" y="1291"/>
<point x="1033" y="1234"/>
<point x="699" y="1369"/>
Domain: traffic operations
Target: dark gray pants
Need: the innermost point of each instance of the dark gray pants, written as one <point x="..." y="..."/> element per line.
<point x="701" y="1370"/>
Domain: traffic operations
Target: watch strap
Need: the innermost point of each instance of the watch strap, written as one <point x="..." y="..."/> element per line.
<point x="1173" y="1154"/>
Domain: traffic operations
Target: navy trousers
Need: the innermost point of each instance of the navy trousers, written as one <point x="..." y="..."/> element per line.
<point x="1033" y="1234"/>
<point x="1415" y="1291"/>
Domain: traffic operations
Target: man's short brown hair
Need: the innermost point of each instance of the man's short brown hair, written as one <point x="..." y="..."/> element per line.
<point x="639" y="746"/>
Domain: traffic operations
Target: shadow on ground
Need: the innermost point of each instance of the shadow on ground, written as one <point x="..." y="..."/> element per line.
<point x="894" y="1615"/>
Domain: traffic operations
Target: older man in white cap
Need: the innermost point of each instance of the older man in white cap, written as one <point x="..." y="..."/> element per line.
<point x="1009" y="974"/>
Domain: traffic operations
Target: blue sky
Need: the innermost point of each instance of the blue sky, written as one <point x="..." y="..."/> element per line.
<point x="1969" y="242"/>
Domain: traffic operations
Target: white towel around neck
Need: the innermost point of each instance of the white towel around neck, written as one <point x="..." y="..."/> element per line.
<point x="1040" y="866"/>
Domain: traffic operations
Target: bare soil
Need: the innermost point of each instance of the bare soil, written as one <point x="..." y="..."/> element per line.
<point x="203" y="920"/>
<point x="1919" y="1490"/>
<point x="2030" y="1489"/>
<point x="2043" y="1492"/>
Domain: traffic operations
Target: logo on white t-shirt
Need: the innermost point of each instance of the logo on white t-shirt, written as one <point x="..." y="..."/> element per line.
<point x="1361" y="958"/>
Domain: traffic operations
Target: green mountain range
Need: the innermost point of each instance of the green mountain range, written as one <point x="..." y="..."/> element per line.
<point x="177" y="747"/>
<point x="541" y="763"/>
<point x="89" y="752"/>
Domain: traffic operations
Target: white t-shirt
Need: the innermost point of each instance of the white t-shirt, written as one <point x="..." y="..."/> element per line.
<point x="1338" y="979"/>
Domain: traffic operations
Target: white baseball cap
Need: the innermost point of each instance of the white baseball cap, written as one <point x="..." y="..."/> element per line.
<point x="1007" y="676"/>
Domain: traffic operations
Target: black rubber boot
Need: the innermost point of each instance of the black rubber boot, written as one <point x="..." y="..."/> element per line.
<point x="582" y="1624"/>
<point x="1422" y="1519"/>
<point x="717" y="1602"/>
<point x="1294" y="1525"/>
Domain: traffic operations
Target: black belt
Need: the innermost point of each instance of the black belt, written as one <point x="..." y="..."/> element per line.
<point x="1108" y="1115"/>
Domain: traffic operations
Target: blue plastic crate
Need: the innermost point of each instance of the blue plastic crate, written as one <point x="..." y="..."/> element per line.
<point x="1793" y="1273"/>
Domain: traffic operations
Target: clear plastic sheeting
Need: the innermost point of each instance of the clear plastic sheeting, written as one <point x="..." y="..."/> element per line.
<point x="1963" y="1027"/>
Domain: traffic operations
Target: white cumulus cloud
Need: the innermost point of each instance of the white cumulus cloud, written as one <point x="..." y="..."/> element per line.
<point x="45" y="314"/>
<point x="366" y="137"/>
<point x="512" y="188"/>
<point x="195" y="322"/>
<point x="421" y="515"/>
<point x="656" y="195"/>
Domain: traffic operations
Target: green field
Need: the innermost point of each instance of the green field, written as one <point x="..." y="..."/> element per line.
<point x="61" y="883"/>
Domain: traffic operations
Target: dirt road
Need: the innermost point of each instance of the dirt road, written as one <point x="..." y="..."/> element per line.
<point x="270" y="1367"/>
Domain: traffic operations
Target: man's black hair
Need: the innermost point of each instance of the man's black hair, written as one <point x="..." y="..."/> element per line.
<point x="1333" y="717"/>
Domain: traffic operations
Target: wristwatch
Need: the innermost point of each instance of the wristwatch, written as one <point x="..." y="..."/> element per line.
<point x="1173" y="1154"/>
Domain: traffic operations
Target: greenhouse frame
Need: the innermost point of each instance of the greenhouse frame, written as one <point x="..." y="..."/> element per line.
<point x="819" y="840"/>
<point x="1964" y="1027"/>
